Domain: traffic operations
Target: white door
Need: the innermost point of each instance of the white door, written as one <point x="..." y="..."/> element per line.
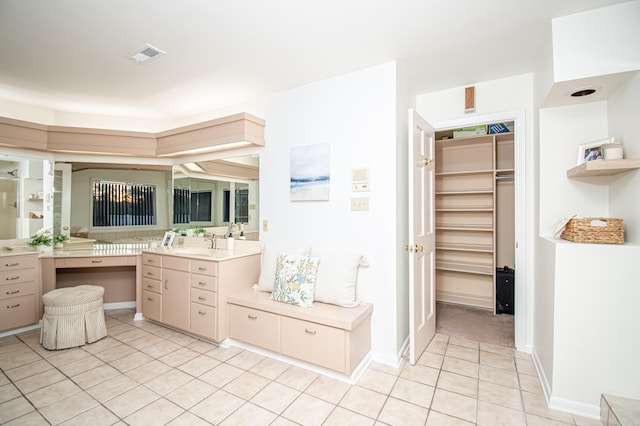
<point x="421" y="247"/>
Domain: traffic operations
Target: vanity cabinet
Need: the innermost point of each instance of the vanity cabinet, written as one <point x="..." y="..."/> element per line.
<point x="19" y="291"/>
<point x="189" y="294"/>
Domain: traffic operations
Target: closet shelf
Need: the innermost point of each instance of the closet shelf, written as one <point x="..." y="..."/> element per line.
<point x="482" y="248"/>
<point x="465" y="209"/>
<point x="465" y="172"/>
<point x="466" y="192"/>
<point x="603" y="167"/>
<point x="470" y="268"/>
<point x="478" y="228"/>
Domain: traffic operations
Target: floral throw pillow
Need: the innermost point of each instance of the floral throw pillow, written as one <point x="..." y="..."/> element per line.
<point x="295" y="279"/>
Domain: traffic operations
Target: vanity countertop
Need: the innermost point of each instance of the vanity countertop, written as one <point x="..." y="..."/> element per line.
<point x="204" y="253"/>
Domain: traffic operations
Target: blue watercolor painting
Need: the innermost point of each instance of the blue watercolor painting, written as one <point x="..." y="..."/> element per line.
<point x="310" y="172"/>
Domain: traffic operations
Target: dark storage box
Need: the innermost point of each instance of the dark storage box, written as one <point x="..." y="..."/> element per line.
<point x="505" y="282"/>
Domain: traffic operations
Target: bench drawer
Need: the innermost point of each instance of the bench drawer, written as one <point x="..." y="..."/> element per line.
<point x="314" y="343"/>
<point x="203" y="297"/>
<point x="203" y="320"/>
<point x="152" y="305"/>
<point x="255" y="327"/>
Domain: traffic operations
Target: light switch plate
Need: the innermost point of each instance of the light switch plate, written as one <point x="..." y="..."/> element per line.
<point x="359" y="204"/>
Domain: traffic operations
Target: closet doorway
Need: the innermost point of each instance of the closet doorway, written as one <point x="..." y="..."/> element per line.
<point x="475" y="199"/>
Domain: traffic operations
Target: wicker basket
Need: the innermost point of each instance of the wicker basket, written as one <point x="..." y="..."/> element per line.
<point x="598" y="230"/>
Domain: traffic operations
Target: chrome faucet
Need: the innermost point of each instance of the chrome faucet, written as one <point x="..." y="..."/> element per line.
<point x="214" y="243"/>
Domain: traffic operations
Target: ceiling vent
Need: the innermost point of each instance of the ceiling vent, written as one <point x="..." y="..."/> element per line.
<point x="146" y="53"/>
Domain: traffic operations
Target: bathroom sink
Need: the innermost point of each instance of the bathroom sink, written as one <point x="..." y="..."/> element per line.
<point x="204" y="252"/>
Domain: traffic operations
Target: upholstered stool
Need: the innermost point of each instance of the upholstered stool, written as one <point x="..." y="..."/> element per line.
<point x="73" y="316"/>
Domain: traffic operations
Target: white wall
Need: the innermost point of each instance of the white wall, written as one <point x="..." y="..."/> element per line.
<point x="498" y="96"/>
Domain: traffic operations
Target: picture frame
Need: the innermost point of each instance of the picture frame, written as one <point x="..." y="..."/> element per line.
<point x="167" y="240"/>
<point x="593" y="150"/>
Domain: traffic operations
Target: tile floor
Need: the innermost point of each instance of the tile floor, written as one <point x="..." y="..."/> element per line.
<point x="145" y="374"/>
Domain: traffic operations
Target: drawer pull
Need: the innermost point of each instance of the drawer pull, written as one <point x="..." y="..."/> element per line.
<point x="96" y="261"/>
<point x="150" y="273"/>
<point x="202" y="298"/>
<point x="10" y="265"/>
<point x="201" y="268"/>
<point x="252" y="317"/>
<point x="149" y="286"/>
<point x="13" y="292"/>
<point x="150" y="299"/>
<point x="12" y="278"/>
<point x="165" y="284"/>
<point x="150" y="261"/>
<point x="312" y="332"/>
<point x="201" y="283"/>
<point x="13" y="306"/>
<point x="202" y="313"/>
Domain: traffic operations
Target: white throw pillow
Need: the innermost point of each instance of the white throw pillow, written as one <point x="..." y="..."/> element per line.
<point x="336" y="278"/>
<point x="269" y="263"/>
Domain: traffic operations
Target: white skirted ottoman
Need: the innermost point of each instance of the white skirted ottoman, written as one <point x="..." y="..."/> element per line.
<point x="73" y="316"/>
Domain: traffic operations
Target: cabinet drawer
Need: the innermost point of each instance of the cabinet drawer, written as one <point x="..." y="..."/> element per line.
<point x="152" y="305"/>
<point x="176" y="263"/>
<point x="204" y="282"/>
<point x="152" y="285"/>
<point x="17" y="276"/>
<point x="17" y="290"/>
<point x="255" y="327"/>
<point x="151" y="272"/>
<point x="10" y="263"/>
<point x="204" y="297"/>
<point x="204" y="267"/>
<point x="94" y="262"/>
<point x="314" y="343"/>
<point x="203" y="320"/>
<point x="151" y="259"/>
<point x="17" y="312"/>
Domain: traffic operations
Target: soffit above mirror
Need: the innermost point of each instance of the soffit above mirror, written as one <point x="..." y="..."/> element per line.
<point x="226" y="133"/>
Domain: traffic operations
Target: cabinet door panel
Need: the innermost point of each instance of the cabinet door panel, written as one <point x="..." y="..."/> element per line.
<point x="152" y="305"/>
<point x="314" y="343"/>
<point x="203" y="320"/>
<point x="255" y="327"/>
<point x="175" y="298"/>
<point x="17" y="312"/>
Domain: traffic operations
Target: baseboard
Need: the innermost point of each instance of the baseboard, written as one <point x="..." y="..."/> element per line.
<point x="561" y="404"/>
<point x="21" y="329"/>
<point x="119" y="305"/>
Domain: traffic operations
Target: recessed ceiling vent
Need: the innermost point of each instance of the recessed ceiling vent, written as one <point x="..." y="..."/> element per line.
<point x="146" y="53"/>
<point x="583" y="91"/>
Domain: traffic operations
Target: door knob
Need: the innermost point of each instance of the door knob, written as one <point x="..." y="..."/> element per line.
<point x="426" y="161"/>
<point x="65" y="228"/>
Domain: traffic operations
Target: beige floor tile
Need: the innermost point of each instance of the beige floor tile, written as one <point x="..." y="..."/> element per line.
<point x="497" y="360"/>
<point x="168" y="381"/>
<point x="179" y="357"/>
<point x="282" y="421"/>
<point x="223" y="354"/>
<point x="297" y="378"/>
<point x="199" y="365"/>
<point x="97" y="416"/>
<point x="413" y="392"/>
<point x="460" y="366"/>
<point x="40" y="380"/>
<point x="95" y="376"/>
<point x="308" y="410"/>
<point x="221" y="374"/>
<point x="530" y="383"/>
<point x="161" y="349"/>
<point x="499" y="376"/>
<point x="131" y="361"/>
<point x="536" y="404"/>
<point x="269" y="368"/>
<point x="68" y="408"/>
<point x="455" y="405"/>
<point x="275" y="397"/>
<point x="4" y="380"/>
<point x="245" y="360"/>
<point x="188" y="419"/>
<point x="377" y="381"/>
<point x="496" y="349"/>
<point x="246" y="385"/>
<point x="101" y="345"/>
<point x="14" y="408"/>
<point x="397" y="412"/>
<point x="457" y="383"/>
<point x="32" y="419"/>
<point x="431" y="359"/>
<point x="159" y="412"/>
<point x="18" y="360"/>
<point x="131" y="335"/>
<point x="533" y="420"/>
<point x="584" y="421"/>
<point x="8" y="392"/>
<point x="461" y="352"/>
<point x="217" y="407"/>
<point x="500" y="395"/>
<point x="389" y="369"/>
<point x="526" y="366"/>
<point x="250" y="414"/>
<point x="439" y="419"/>
<point x="191" y="393"/>
<point x="27" y="370"/>
<point x="176" y="337"/>
<point x="146" y="341"/>
<point x="119" y="329"/>
<point x="437" y="347"/>
<point x="148" y="371"/>
<point x="466" y="343"/>
<point x="85" y="364"/>
<point x="131" y="401"/>
<point x="115" y="352"/>
<point x="113" y="387"/>
<point x="53" y="393"/>
<point x="363" y="401"/>
<point x="201" y="346"/>
<point x="421" y="374"/>
<point x="328" y="389"/>
<point x="340" y="416"/>
<point x="497" y="415"/>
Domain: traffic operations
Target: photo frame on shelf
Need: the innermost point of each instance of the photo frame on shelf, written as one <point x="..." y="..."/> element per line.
<point x="593" y="150"/>
<point x="167" y="240"/>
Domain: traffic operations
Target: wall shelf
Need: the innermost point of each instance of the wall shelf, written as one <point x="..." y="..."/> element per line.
<point x="603" y="167"/>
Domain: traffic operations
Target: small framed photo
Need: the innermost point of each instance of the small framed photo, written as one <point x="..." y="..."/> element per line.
<point x="592" y="151"/>
<point x="167" y="240"/>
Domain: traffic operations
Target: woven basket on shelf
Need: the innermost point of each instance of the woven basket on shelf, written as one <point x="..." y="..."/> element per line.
<point x="598" y="230"/>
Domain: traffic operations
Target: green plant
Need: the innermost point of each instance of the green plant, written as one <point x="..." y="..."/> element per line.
<point x="60" y="238"/>
<point x="41" y="240"/>
<point x="199" y="231"/>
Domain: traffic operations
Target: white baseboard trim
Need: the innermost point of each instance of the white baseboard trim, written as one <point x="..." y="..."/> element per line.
<point x="138" y="316"/>
<point x="561" y="404"/>
<point x="21" y="330"/>
<point x="119" y="305"/>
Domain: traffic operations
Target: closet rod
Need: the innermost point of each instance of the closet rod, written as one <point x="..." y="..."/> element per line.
<point x="504" y="177"/>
